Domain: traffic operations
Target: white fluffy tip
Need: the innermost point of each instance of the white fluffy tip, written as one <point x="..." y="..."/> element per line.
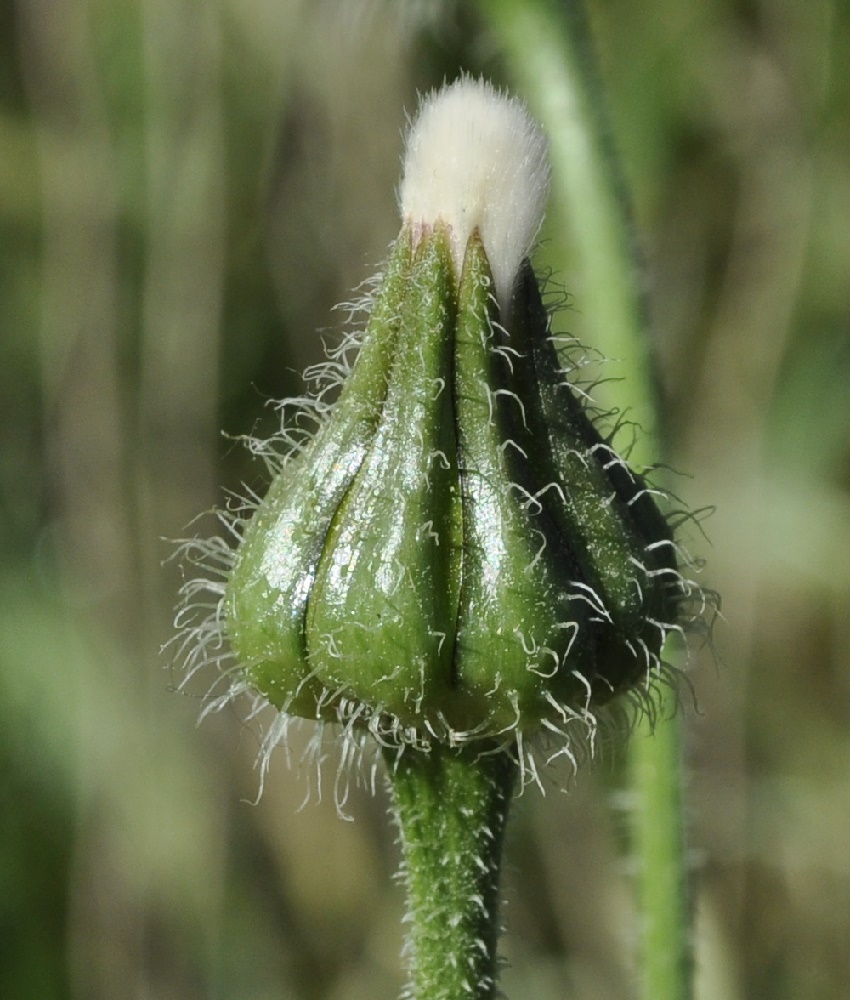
<point x="475" y="158"/>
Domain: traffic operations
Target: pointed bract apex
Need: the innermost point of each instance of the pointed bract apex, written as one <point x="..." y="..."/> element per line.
<point x="477" y="160"/>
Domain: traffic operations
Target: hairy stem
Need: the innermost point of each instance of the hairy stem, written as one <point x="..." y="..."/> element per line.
<point x="451" y="806"/>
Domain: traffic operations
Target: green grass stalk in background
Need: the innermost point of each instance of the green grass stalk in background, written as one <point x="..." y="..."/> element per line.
<point x="549" y="52"/>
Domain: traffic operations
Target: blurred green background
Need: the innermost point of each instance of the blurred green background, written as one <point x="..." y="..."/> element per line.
<point x="186" y="188"/>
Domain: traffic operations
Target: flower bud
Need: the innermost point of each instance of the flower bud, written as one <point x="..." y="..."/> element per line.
<point x="457" y="553"/>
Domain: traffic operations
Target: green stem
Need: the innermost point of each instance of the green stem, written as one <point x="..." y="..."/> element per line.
<point x="549" y="51"/>
<point x="659" y="843"/>
<point x="451" y="807"/>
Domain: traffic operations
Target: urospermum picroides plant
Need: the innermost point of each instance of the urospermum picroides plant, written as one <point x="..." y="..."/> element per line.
<point x="456" y="563"/>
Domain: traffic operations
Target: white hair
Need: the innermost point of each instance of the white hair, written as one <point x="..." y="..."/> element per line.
<point x="476" y="159"/>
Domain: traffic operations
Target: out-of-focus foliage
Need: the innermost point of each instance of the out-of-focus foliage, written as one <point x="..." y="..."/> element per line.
<point x="185" y="190"/>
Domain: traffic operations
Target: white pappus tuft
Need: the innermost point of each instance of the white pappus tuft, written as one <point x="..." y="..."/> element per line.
<point x="476" y="159"/>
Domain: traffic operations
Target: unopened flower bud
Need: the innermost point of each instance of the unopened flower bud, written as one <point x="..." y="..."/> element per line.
<point x="457" y="553"/>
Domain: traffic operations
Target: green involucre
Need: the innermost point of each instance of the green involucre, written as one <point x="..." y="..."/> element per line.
<point x="458" y="551"/>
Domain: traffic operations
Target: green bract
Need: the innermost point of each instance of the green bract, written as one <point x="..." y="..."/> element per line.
<point x="457" y="553"/>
